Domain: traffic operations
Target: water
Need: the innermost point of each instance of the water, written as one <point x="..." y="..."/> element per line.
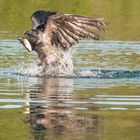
<point x="101" y="102"/>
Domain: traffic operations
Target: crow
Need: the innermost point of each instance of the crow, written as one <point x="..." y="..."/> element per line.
<point x="53" y="34"/>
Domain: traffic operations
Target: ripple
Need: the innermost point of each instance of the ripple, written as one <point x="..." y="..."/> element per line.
<point x="70" y="102"/>
<point x="117" y="103"/>
<point x="11" y="106"/>
<point x="93" y="73"/>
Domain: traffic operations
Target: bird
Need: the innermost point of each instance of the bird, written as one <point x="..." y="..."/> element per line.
<point x="53" y="35"/>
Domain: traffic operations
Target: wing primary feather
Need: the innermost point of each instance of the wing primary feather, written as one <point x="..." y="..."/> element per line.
<point x="66" y="30"/>
<point x="70" y="32"/>
<point x="84" y="33"/>
<point x="89" y="24"/>
<point x="64" y="35"/>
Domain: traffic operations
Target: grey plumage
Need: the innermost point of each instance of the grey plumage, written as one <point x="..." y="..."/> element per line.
<point x="53" y="38"/>
<point x="66" y="30"/>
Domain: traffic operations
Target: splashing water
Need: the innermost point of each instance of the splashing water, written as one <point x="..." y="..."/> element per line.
<point x="110" y="60"/>
<point x="65" y="68"/>
<point x="104" y="84"/>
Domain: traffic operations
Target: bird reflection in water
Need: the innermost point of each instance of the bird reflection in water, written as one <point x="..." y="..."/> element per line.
<point x="60" y="113"/>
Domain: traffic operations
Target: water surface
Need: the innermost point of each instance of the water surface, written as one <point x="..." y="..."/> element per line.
<point x="102" y="103"/>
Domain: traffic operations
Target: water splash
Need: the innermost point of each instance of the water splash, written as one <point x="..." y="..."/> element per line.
<point x="36" y="71"/>
<point x="108" y="59"/>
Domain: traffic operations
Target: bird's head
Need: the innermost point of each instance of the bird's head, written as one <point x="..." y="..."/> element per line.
<point x="39" y="19"/>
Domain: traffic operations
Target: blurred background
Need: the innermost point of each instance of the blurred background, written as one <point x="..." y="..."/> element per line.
<point x="124" y="15"/>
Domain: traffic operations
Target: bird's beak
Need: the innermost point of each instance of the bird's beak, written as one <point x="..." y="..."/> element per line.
<point x="25" y="43"/>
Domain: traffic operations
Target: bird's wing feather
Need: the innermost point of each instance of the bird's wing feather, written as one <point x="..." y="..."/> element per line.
<point x="66" y="30"/>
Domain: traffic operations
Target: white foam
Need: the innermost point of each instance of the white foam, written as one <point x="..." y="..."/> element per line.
<point x="64" y="69"/>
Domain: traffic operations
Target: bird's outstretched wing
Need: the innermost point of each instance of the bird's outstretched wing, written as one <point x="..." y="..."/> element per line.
<point x="66" y="30"/>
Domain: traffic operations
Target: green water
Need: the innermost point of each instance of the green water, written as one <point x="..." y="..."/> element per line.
<point x="123" y="15"/>
<point x="102" y="104"/>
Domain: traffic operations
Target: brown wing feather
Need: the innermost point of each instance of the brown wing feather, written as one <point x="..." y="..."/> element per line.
<point x="66" y="30"/>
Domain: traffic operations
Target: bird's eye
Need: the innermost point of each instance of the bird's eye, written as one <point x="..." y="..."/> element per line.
<point x="40" y="27"/>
